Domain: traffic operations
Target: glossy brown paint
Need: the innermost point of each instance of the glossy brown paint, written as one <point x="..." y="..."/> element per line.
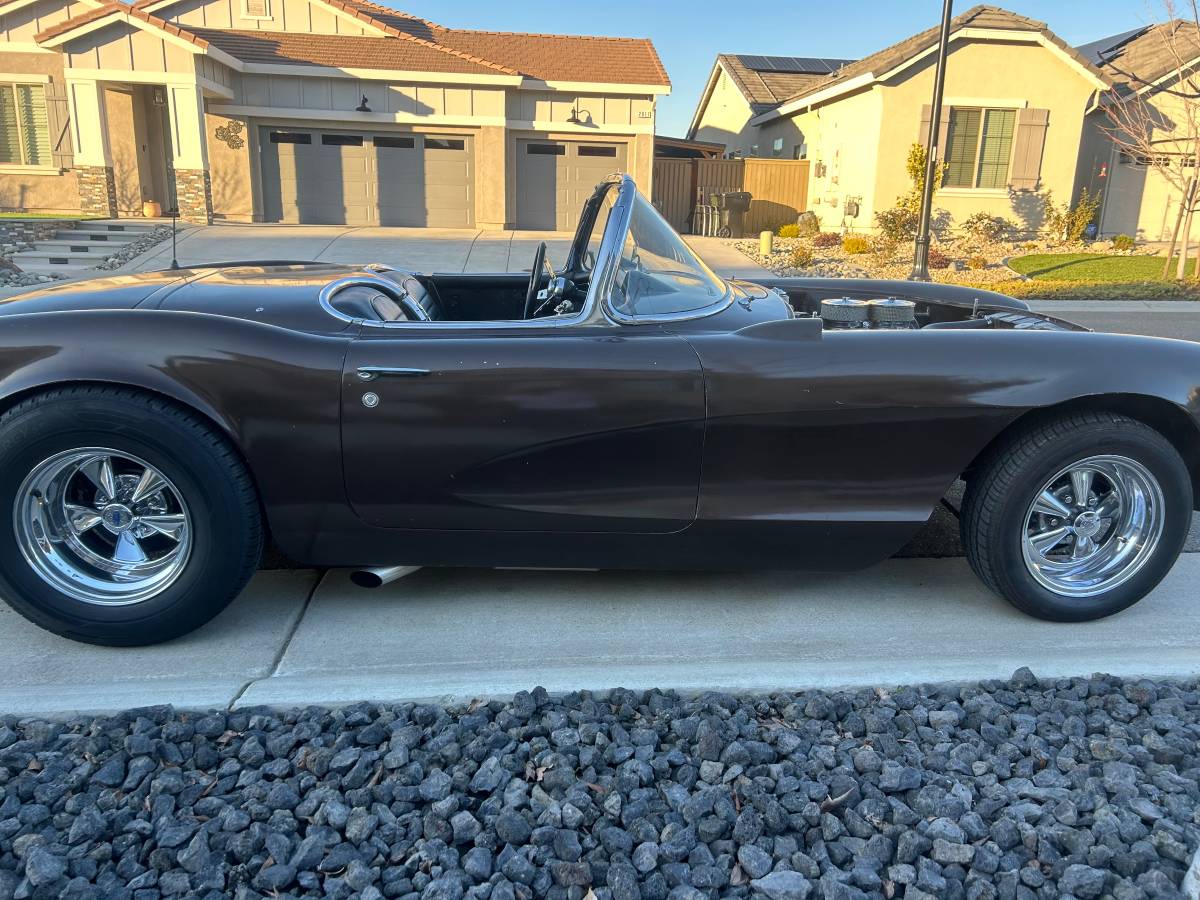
<point x="743" y="439"/>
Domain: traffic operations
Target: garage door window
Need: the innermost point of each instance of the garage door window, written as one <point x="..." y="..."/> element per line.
<point x="546" y="150"/>
<point x="444" y="144"/>
<point x="342" y="140"/>
<point x="395" y="143"/>
<point x="610" y="152"/>
<point x="290" y="137"/>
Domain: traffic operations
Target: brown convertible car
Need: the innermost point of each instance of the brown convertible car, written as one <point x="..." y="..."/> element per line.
<point x="629" y="409"/>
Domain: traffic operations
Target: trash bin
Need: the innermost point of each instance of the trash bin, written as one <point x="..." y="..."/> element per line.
<point x="733" y="205"/>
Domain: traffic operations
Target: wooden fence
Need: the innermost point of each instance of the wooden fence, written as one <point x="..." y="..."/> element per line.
<point x="779" y="188"/>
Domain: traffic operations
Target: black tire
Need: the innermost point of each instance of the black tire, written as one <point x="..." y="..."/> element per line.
<point x="226" y="533"/>
<point x="999" y="494"/>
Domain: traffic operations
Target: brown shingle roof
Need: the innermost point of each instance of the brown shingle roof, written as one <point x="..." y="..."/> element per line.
<point x="976" y="17"/>
<point x="766" y="81"/>
<point x="118" y="9"/>
<point x="1151" y="54"/>
<point x="417" y="44"/>
<point x="338" y="51"/>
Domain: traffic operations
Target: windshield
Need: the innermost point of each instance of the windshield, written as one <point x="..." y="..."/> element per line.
<point x="658" y="274"/>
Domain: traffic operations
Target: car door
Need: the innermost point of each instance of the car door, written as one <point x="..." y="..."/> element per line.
<point x="586" y="428"/>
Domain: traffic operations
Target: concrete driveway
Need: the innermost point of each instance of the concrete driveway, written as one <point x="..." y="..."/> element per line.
<point x="422" y="249"/>
<point x="293" y="639"/>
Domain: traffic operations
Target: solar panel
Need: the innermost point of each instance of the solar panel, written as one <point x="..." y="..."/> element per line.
<point x="799" y="65"/>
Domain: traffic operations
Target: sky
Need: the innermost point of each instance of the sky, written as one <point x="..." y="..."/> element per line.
<point x="689" y="35"/>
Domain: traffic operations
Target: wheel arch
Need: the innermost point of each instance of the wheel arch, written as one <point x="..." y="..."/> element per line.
<point x="189" y="404"/>
<point x="1165" y="417"/>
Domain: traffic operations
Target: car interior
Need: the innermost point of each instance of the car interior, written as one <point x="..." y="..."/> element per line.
<point x="542" y="291"/>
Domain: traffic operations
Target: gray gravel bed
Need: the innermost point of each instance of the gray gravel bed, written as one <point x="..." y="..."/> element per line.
<point x="1017" y="789"/>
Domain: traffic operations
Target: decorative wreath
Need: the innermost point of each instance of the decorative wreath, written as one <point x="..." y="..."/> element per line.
<point x="231" y="134"/>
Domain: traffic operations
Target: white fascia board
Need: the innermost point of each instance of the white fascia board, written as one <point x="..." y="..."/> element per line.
<point x="592" y="87"/>
<point x="822" y="96"/>
<point x="705" y="96"/>
<point x="400" y="75"/>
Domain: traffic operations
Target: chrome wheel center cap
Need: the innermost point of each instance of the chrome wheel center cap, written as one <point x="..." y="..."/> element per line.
<point x="1087" y="524"/>
<point x="116" y="517"/>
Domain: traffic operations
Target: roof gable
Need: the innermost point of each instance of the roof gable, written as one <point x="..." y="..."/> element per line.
<point x="1137" y="60"/>
<point x="878" y="65"/>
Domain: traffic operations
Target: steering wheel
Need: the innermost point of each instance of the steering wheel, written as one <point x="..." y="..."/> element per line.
<point x="535" y="278"/>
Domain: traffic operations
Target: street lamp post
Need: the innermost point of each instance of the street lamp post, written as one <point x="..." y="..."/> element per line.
<point x="920" y="269"/>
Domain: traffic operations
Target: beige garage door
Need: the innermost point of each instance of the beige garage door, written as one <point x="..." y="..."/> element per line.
<point x="333" y="177"/>
<point x="554" y="178"/>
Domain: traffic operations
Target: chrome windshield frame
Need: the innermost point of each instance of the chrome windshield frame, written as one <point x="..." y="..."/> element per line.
<point x="622" y="318"/>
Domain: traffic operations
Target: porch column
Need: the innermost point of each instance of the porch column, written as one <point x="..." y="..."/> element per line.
<point x="492" y="178"/>
<point x="193" y="185"/>
<point x="93" y="156"/>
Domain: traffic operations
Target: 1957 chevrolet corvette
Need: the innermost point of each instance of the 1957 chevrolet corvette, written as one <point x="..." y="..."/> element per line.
<point x="630" y="409"/>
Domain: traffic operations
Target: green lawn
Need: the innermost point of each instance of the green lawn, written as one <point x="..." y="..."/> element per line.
<point x="1093" y="267"/>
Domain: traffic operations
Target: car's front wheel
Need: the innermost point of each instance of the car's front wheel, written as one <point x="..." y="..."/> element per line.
<point x="124" y="519"/>
<point x="1078" y="517"/>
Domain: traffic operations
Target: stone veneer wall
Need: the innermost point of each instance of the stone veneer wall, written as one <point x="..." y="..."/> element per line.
<point x="193" y="194"/>
<point x="27" y="231"/>
<point x="97" y="191"/>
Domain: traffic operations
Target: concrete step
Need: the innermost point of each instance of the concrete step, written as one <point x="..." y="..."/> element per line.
<point x="47" y="268"/>
<point x="68" y="243"/>
<point x="97" y="235"/>
<point x="53" y="260"/>
<point x="127" y="226"/>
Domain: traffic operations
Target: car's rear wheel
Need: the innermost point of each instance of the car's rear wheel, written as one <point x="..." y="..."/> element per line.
<point x="124" y="519"/>
<point x="1078" y="517"/>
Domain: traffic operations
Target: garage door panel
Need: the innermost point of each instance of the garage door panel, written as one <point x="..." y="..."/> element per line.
<point x="359" y="178"/>
<point x="555" y="179"/>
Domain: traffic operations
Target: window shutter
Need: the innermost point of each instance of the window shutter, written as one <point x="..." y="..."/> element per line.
<point x="1027" y="157"/>
<point x="10" y="143"/>
<point x="59" y="115"/>
<point x="943" y="129"/>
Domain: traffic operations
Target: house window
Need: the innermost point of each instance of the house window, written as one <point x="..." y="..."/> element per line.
<point x="777" y="148"/>
<point x="800" y="151"/>
<point x="979" y="147"/>
<point x="24" y="128"/>
<point x="256" y="9"/>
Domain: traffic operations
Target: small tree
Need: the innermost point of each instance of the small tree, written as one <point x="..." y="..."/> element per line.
<point x="900" y="222"/>
<point x="1168" y="144"/>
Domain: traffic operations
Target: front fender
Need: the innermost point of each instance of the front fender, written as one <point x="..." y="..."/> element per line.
<point x="272" y="391"/>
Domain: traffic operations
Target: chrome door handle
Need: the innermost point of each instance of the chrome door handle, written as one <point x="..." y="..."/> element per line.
<point x="370" y="373"/>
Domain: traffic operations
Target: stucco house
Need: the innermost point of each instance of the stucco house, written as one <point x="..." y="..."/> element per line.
<point x="1016" y="101"/>
<point x="1144" y="66"/>
<point x="313" y="111"/>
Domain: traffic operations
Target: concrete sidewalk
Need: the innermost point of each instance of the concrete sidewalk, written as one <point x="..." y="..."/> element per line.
<point x="454" y="633"/>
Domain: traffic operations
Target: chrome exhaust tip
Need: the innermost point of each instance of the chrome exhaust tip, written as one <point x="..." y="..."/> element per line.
<point x="378" y="576"/>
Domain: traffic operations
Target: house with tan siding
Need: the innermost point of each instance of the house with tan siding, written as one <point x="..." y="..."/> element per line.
<point x="1017" y="101"/>
<point x="313" y="111"/>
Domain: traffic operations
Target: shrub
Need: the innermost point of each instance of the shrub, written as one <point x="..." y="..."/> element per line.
<point x="801" y="258"/>
<point x="977" y="262"/>
<point x="855" y="244"/>
<point x="1066" y="222"/>
<point x="883" y="246"/>
<point x="788" y="231"/>
<point x="900" y="222"/>
<point x="827" y="239"/>
<point x="1123" y="242"/>
<point x="938" y="259"/>
<point x="984" y="227"/>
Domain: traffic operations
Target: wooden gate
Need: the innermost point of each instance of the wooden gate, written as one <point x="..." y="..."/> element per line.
<point x="780" y="191"/>
<point x="779" y="188"/>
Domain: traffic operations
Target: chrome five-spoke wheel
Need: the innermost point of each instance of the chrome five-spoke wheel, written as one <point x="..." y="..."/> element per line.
<point x="102" y="526"/>
<point x="1093" y="526"/>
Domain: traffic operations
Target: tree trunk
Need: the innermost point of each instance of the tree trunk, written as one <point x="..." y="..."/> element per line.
<point x="1185" y="247"/>
<point x="1183" y="202"/>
